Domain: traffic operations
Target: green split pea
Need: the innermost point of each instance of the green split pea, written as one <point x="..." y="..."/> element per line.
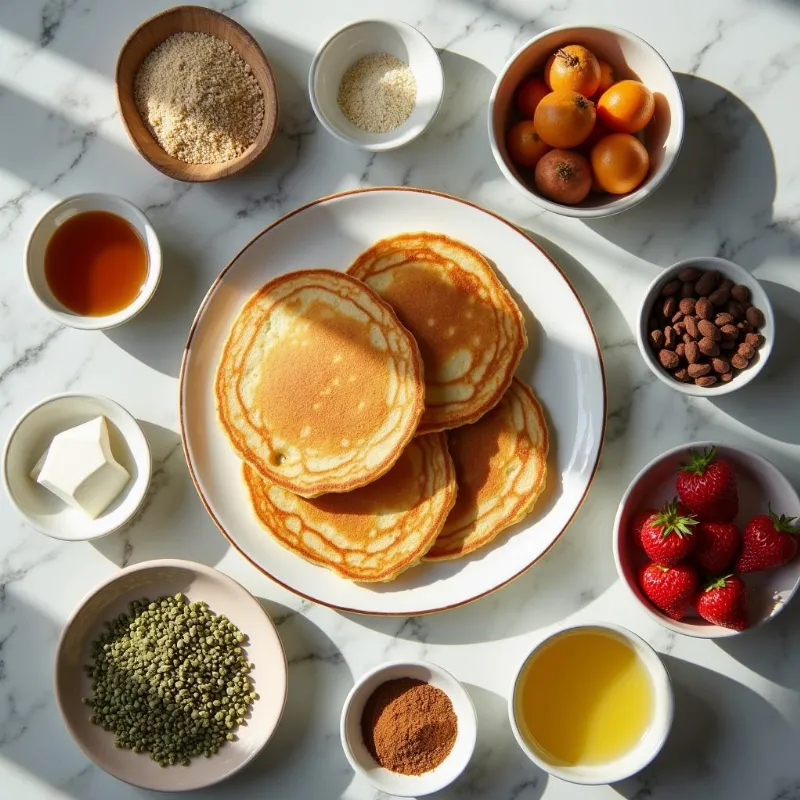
<point x="171" y="679"/>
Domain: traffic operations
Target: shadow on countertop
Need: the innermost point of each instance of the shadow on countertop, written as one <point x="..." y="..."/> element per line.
<point x="319" y="681"/>
<point x="770" y="650"/>
<point x="718" y="199"/>
<point x="155" y="335"/>
<point x="172" y="522"/>
<point x="771" y="403"/>
<point x="498" y="768"/>
<point x="717" y="720"/>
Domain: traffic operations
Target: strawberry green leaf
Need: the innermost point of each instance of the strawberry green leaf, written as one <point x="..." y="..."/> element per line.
<point x="718" y="583"/>
<point x="671" y="521"/>
<point x="699" y="461"/>
<point x="784" y="523"/>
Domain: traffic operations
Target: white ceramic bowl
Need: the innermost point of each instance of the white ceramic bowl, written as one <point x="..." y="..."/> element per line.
<point x="631" y="57"/>
<point x="31" y="436"/>
<point x="224" y="596"/>
<point x="45" y="228"/>
<point x="647" y="748"/>
<point x="759" y="483"/>
<point x="392" y="782"/>
<point x="758" y="298"/>
<point x="354" y="41"/>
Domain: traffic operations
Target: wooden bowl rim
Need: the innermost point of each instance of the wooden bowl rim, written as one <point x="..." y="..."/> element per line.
<point x="222" y="169"/>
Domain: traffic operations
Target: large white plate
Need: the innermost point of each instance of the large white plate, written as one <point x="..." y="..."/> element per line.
<point x="562" y="363"/>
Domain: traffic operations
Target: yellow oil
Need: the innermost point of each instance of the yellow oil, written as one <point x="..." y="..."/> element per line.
<point x="584" y="698"/>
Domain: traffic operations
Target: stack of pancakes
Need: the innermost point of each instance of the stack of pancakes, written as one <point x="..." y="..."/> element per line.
<point x="377" y="412"/>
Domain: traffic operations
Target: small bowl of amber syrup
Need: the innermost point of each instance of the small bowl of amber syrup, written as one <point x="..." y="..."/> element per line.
<point x="93" y="261"/>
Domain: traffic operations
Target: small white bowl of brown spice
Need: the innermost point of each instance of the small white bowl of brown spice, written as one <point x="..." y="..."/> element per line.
<point x="408" y="728"/>
<point x="376" y="84"/>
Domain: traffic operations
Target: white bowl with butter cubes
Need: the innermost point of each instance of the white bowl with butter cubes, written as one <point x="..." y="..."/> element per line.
<point x="376" y="84"/>
<point x="77" y="467"/>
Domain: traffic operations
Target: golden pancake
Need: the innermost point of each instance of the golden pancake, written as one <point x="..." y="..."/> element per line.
<point x="501" y="471"/>
<point x="319" y="387"/>
<point x="373" y="533"/>
<point x="470" y="331"/>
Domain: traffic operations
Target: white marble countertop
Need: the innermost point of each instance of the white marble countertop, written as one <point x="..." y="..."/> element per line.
<point x="735" y="192"/>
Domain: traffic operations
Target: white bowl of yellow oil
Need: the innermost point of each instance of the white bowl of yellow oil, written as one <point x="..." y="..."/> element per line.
<point x="93" y="261"/>
<point x="591" y="704"/>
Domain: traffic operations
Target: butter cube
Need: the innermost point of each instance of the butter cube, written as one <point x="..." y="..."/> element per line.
<point x="80" y="468"/>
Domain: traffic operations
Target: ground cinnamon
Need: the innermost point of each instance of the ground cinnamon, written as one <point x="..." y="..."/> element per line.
<point x="409" y="726"/>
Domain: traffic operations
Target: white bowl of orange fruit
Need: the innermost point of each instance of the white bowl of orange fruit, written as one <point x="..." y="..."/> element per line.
<point x="586" y="121"/>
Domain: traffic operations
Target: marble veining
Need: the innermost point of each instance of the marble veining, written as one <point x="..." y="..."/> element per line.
<point x="735" y="192"/>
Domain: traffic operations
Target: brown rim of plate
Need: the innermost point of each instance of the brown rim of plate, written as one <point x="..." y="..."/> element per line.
<point x="205" y="302"/>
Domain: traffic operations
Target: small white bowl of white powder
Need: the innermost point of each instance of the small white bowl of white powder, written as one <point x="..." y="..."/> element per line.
<point x="376" y="84"/>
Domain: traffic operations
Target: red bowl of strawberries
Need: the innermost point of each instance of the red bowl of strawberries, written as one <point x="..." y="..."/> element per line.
<point x="706" y="539"/>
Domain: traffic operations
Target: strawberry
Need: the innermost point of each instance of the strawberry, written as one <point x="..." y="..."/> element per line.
<point x="638" y="523"/>
<point x="671" y="589"/>
<point x="667" y="535"/>
<point x="717" y="546"/>
<point x="768" y="542"/>
<point x="724" y="602"/>
<point x="707" y="487"/>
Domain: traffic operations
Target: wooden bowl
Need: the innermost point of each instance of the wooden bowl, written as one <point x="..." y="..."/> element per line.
<point x="147" y="37"/>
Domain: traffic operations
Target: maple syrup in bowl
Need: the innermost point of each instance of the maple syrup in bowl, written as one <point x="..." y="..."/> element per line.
<point x="93" y="261"/>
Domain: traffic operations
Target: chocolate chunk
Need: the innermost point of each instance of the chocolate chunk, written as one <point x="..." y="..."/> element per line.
<point x="740" y="293"/>
<point x="668" y="359"/>
<point x="735" y="309"/>
<point x="709" y="330"/>
<point x="740" y="362"/>
<point x="705" y="381"/>
<point x="708" y="347"/>
<point x="723" y="319"/>
<point x="707" y="282"/>
<point x="755" y="316"/>
<point x="698" y="370"/>
<point x="720" y="365"/>
<point x="720" y="296"/>
<point x="755" y="339"/>
<point x="704" y="309"/>
<point x="746" y="350"/>
<point x="687" y="305"/>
